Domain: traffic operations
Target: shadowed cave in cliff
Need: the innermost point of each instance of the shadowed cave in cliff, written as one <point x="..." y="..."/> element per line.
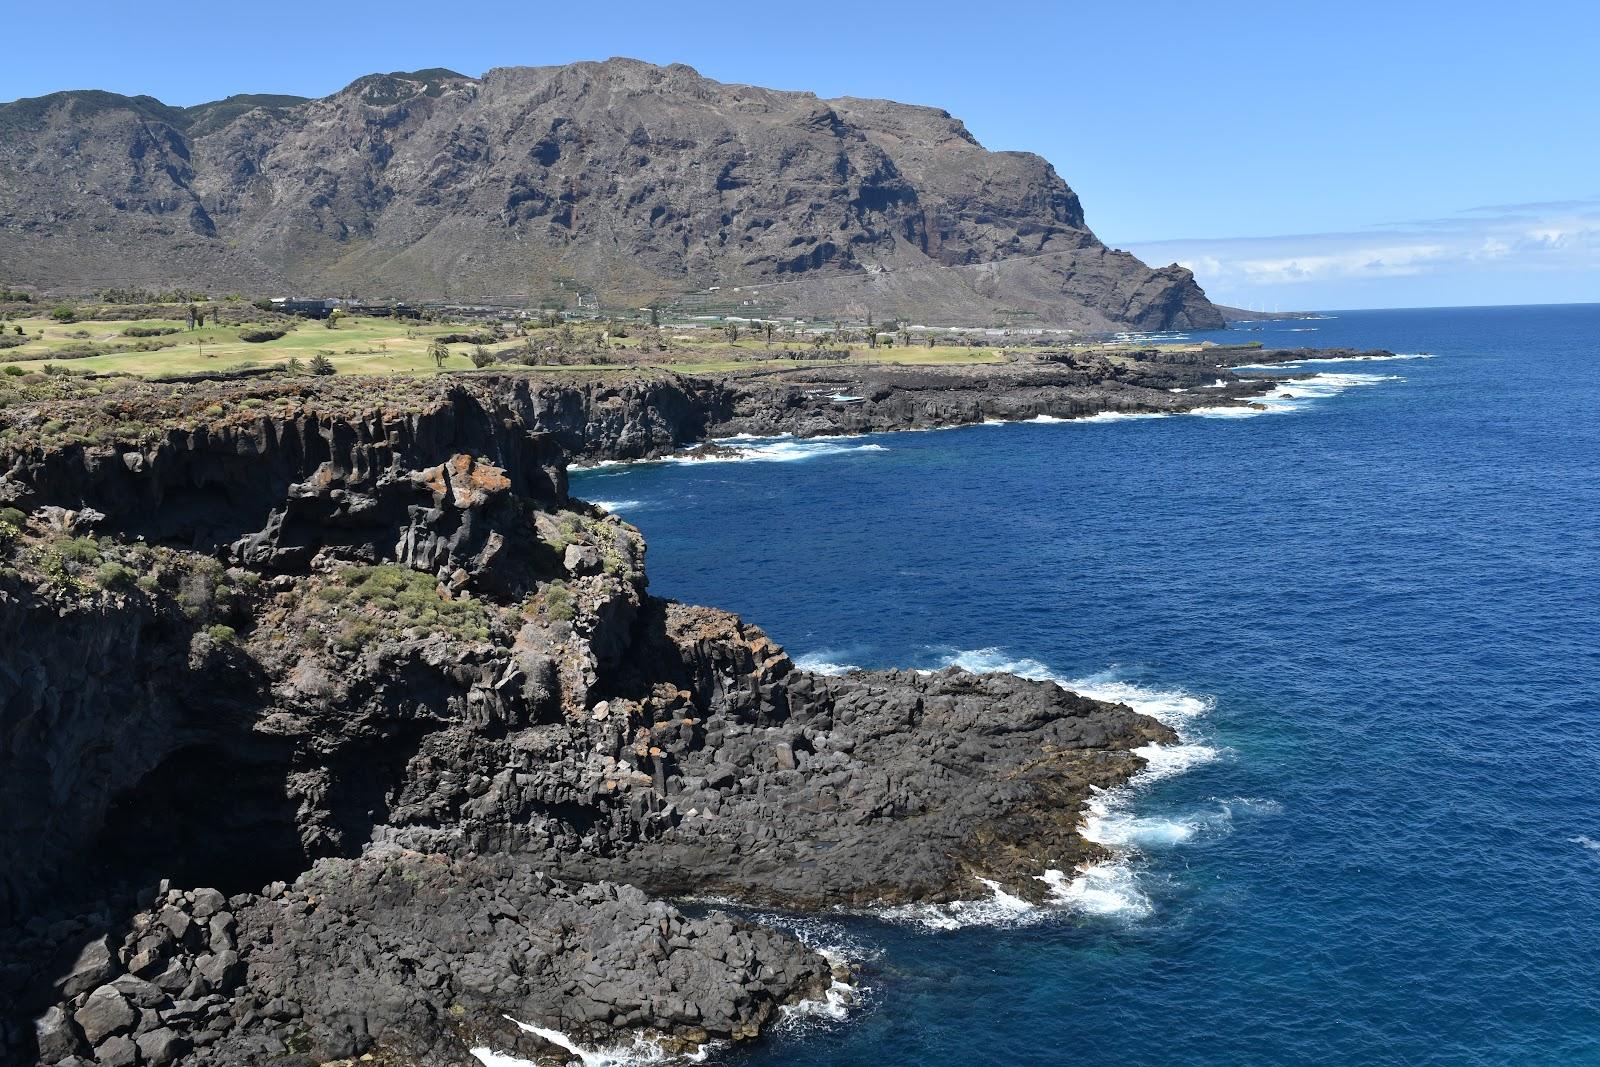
<point x="218" y="815"/>
<point x="204" y="816"/>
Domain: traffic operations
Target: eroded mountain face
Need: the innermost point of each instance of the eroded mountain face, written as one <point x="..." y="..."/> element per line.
<point x="627" y="178"/>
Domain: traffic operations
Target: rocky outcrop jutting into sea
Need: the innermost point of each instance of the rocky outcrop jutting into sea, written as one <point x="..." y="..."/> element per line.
<point x="330" y="724"/>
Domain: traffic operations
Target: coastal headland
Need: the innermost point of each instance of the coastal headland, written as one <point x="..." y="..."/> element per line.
<point x="336" y="727"/>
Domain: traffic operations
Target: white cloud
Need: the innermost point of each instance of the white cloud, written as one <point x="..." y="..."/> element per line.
<point x="1512" y="244"/>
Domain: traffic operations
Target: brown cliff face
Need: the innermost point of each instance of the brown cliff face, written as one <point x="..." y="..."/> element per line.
<point x="634" y="180"/>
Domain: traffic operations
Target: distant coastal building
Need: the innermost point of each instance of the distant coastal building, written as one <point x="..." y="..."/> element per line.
<point x="314" y="309"/>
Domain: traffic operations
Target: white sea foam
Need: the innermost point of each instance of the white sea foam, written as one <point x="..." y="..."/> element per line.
<point x="1103" y="416"/>
<point x="1111" y="887"/>
<point x="822" y="662"/>
<point x="1297" y="364"/>
<point x="1290" y="395"/>
<point x="1586" y="841"/>
<point x="1099" y="889"/>
<point x="784" y="449"/>
<point x="1293" y="394"/>
<point x="642" y="1050"/>
<point x="842" y="951"/>
<point x="615" y="506"/>
<point x="998" y="909"/>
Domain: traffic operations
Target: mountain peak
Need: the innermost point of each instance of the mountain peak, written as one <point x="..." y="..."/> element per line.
<point x="622" y="177"/>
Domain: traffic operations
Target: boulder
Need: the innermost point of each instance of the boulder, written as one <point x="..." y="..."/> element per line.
<point x="117" y="1052"/>
<point x="582" y="559"/>
<point x="93" y="966"/>
<point x="139" y="993"/>
<point x="221" y="970"/>
<point x="161" y="1047"/>
<point x="56" y="1036"/>
<point x="179" y="923"/>
<point x="105" y="1013"/>
<point x="173" y="979"/>
<point x="207" y="902"/>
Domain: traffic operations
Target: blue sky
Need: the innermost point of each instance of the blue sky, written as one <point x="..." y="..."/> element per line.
<point x="1294" y="155"/>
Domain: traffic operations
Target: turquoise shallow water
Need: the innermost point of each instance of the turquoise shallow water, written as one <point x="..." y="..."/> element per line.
<point x="1380" y="608"/>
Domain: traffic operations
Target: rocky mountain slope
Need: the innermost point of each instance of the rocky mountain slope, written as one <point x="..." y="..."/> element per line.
<point x="636" y="181"/>
<point x="334" y="726"/>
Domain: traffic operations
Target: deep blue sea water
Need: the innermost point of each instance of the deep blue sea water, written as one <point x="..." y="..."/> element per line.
<point x="1384" y="608"/>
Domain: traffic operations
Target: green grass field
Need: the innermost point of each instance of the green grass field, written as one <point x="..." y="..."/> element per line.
<point x="357" y="346"/>
<point x="388" y="346"/>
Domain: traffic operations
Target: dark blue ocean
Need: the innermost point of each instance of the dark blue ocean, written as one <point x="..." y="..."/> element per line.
<point x="1375" y="615"/>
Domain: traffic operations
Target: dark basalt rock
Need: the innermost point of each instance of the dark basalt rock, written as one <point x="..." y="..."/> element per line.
<point x="401" y="729"/>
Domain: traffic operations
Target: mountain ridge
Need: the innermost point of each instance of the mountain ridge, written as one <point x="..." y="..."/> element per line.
<point x="633" y="181"/>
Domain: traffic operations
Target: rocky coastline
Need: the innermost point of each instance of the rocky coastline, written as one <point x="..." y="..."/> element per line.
<point x="334" y="727"/>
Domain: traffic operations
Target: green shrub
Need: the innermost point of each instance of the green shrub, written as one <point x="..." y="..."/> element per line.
<point x="256" y="337"/>
<point x="13" y="517"/>
<point x="149" y="331"/>
<point x="63" y="313"/>
<point x="558" y="602"/>
<point x="355" y="634"/>
<point x="222" y="635"/>
<point x="113" y="575"/>
<point x="569" y="531"/>
<point x="332" y="594"/>
<point x="413" y="596"/>
<point x="84" y="551"/>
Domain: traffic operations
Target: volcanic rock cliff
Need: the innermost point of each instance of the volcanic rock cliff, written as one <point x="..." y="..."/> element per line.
<point x="331" y="725"/>
<point x="637" y="181"/>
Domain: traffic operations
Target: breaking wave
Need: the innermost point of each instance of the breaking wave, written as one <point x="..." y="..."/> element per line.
<point x="1296" y="364"/>
<point x="1295" y="394"/>
<point x="618" y="506"/>
<point x="783" y="449"/>
<point x="1288" y="395"/>
<point x="824" y="661"/>
<point x="1101" y="416"/>
<point x="642" y="1050"/>
<point x="844" y="952"/>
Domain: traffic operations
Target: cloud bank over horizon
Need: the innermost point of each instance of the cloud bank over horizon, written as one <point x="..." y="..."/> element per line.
<point x="1546" y="252"/>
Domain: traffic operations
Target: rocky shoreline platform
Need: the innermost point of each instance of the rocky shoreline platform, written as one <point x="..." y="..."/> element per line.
<point x="332" y="728"/>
